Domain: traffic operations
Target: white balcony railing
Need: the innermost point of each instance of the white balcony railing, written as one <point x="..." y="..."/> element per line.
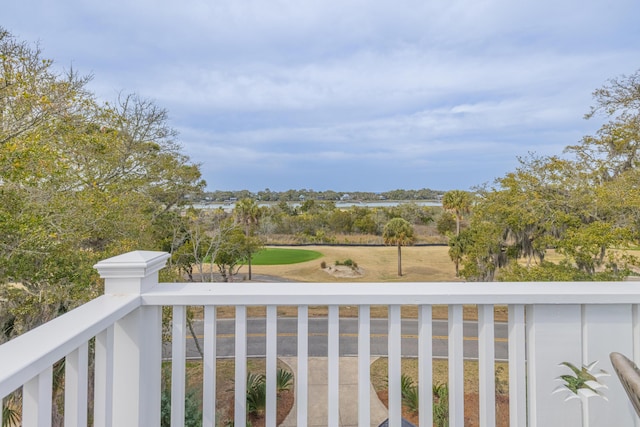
<point x="548" y="323"/>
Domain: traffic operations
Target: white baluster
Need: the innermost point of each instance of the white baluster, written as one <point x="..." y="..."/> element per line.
<point x="36" y="400"/>
<point x="271" y="365"/>
<point x="76" y="384"/>
<point x="395" y="366"/>
<point x="241" y="366"/>
<point x="209" y="368"/>
<point x="333" y="380"/>
<point x="364" y="361"/>
<point x="425" y="364"/>
<point x="456" y="366"/>
<point x="486" y="366"/>
<point x="103" y="384"/>
<point x="302" y="379"/>
<point x="178" y="356"/>
<point x="517" y="367"/>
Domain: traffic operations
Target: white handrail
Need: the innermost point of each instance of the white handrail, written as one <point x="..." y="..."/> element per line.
<point x="294" y="294"/>
<point x="26" y="356"/>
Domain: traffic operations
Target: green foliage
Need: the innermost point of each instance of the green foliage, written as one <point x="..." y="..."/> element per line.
<point x="585" y="205"/>
<point x="192" y="413"/>
<point x="409" y="393"/>
<point x="348" y="262"/>
<point x="257" y="390"/>
<point x="256" y="394"/>
<point x="440" y="405"/>
<point x="320" y="221"/>
<point x="11" y="414"/>
<point x="80" y="181"/>
<point x="284" y="380"/>
<point x="561" y="272"/>
<point x="231" y="253"/>
<point x="446" y="224"/>
<point x="458" y="202"/>
<point x="411" y="400"/>
<point x="398" y="231"/>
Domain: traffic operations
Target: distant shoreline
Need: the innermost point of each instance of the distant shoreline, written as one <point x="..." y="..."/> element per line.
<point x="342" y="204"/>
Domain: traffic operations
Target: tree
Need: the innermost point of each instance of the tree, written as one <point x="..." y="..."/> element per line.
<point x="399" y="232"/>
<point x="247" y="213"/>
<point x="231" y="253"/>
<point x="79" y="181"/>
<point x="446" y="224"/>
<point x="459" y="202"/>
<point x="31" y="93"/>
<point x="197" y="236"/>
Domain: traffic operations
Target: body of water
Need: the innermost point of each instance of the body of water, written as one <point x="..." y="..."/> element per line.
<point x="229" y="206"/>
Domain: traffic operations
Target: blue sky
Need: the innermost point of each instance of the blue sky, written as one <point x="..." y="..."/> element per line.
<point x="348" y="95"/>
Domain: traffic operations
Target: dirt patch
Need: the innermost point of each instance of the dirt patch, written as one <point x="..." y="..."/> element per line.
<point x="344" y="271"/>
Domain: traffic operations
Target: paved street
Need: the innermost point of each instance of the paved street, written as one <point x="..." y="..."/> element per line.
<point x="287" y="338"/>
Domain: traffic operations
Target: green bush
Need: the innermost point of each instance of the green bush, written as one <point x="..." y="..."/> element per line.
<point x="409" y="393"/>
<point x="348" y="262"/>
<point x="192" y="413"/>
<point x="411" y="400"/>
<point x="257" y="390"/>
<point x="284" y="380"/>
<point x="256" y="394"/>
<point x="441" y="405"/>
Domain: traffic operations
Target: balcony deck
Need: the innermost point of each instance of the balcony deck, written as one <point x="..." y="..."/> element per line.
<point x="549" y="323"/>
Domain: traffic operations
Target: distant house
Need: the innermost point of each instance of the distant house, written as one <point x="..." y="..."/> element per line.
<point x="345" y="197"/>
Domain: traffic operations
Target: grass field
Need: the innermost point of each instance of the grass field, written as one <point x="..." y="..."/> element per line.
<point x="284" y="256"/>
<point x="378" y="263"/>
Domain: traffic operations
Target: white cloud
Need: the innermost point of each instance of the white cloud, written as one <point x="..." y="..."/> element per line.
<point x="288" y="90"/>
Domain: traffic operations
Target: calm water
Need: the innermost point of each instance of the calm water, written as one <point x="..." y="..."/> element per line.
<point x="340" y="205"/>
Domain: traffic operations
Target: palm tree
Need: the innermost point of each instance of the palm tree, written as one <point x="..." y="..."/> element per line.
<point x="459" y="202"/>
<point x="398" y="231"/>
<point x="247" y="213"/>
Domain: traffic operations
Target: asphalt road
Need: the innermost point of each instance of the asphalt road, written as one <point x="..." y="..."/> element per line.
<point x="287" y="338"/>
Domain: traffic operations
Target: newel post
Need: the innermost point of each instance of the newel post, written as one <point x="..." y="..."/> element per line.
<point x="129" y="355"/>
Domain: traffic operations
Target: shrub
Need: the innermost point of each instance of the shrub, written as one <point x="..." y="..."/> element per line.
<point x="257" y="390"/>
<point x="323" y="265"/>
<point x="284" y="380"/>
<point x="256" y="394"/>
<point x="441" y="405"/>
<point x="192" y="413"/>
<point x="348" y="262"/>
<point x="409" y="393"/>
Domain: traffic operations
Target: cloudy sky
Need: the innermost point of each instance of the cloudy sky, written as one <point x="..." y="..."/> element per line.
<point x="348" y="95"/>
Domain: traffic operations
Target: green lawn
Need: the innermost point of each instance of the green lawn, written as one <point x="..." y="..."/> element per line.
<point x="277" y="256"/>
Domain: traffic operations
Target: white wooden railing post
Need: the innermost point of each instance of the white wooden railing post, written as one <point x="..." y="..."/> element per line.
<point x="137" y="340"/>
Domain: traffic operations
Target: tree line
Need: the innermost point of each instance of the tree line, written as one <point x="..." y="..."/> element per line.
<point x="268" y="195"/>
